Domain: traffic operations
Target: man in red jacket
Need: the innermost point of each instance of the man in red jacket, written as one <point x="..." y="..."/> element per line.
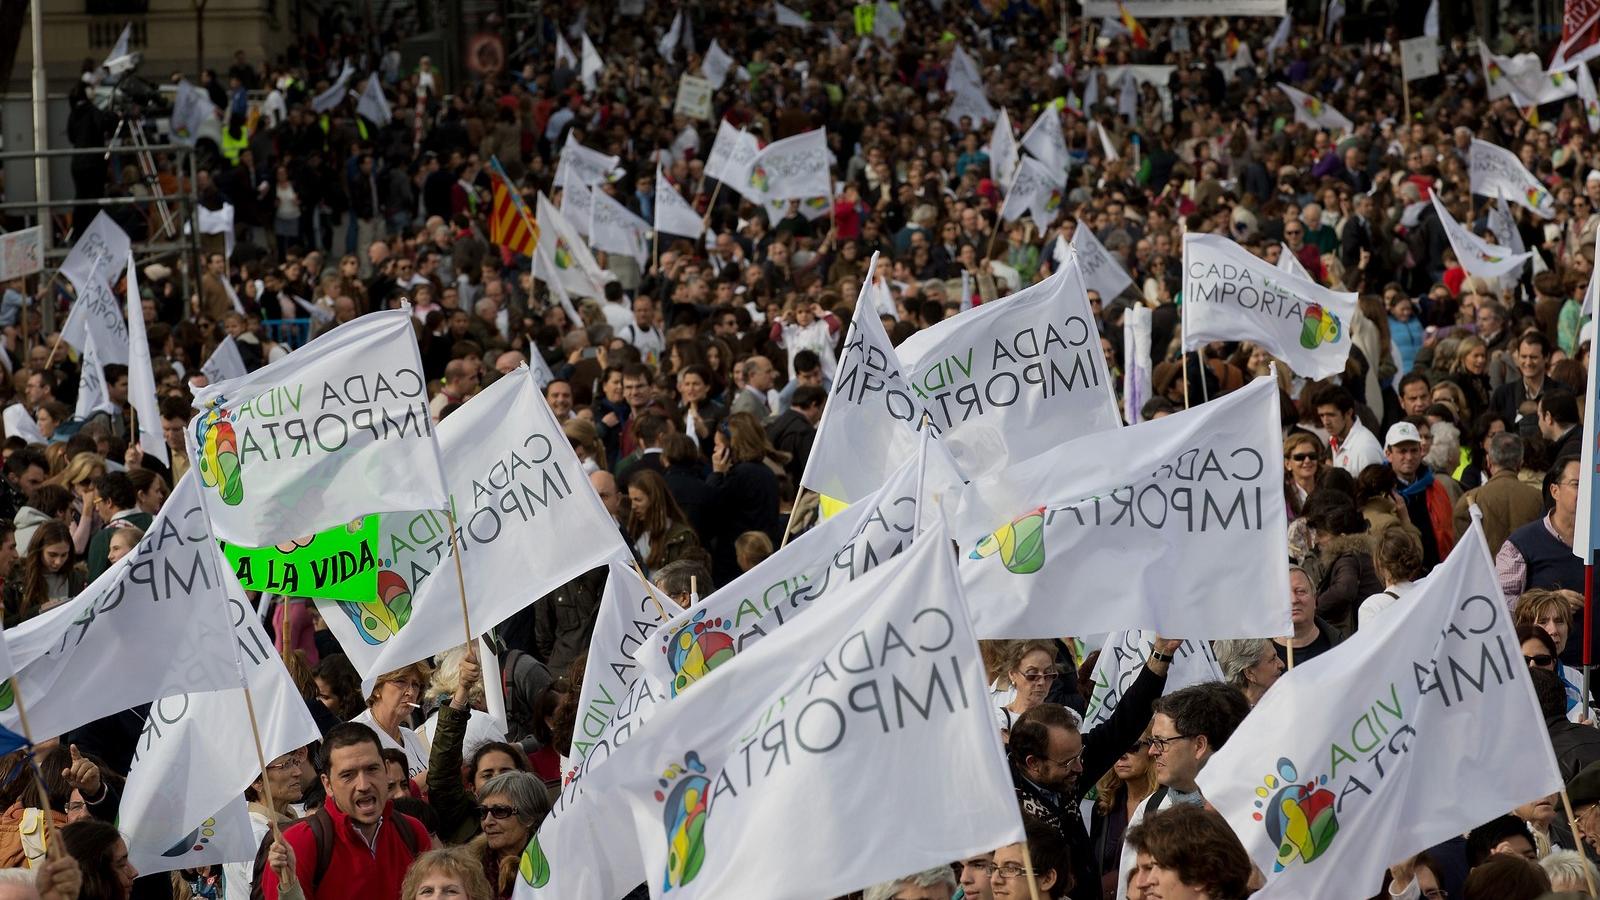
<point x="366" y="854"/>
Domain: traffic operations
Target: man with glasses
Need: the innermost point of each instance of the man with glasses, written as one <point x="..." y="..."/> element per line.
<point x="1050" y="760"/>
<point x="1539" y="554"/>
<point x="1294" y="234"/>
<point x="1189" y="727"/>
<point x="1584" y="793"/>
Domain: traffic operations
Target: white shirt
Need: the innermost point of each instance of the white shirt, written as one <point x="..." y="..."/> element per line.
<point x="416" y="752"/>
<point x="1373" y="608"/>
<point x="1358" y="450"/>
<point x="648" y="341"/>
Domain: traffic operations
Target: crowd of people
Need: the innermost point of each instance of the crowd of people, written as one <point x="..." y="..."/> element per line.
<point x="693" y="388"/>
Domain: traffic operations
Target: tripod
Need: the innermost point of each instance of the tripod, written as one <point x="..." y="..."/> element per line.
<point x="133" y="123"/>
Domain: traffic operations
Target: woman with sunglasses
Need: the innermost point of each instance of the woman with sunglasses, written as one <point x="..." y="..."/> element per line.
<point x="1116" y="797"/>
<point x="1551" y="612"/>
<point x="511" y="807"/>
<point x="1302" y="466"/>
<point x="1032" y="670"/>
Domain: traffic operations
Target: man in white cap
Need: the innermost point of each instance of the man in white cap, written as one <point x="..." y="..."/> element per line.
<point x="1430" y="498"/>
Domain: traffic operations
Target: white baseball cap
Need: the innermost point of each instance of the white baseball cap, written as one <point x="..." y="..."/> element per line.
<point x="1400" y="433"/>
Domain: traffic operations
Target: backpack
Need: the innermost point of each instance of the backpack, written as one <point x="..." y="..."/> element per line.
<point x="321" y="825"/>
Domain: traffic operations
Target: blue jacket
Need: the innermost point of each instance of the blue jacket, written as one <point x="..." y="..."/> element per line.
<point x="1407" y="339"/>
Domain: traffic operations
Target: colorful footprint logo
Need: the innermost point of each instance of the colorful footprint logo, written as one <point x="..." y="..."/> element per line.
<point x="534" y="866"/>
<point x="1299" y="818"/>
<point x="1020" y="543"/>
<point x="563" y="255"/>
<point x="683" y="816"/>
<point x="377" y="622"/>
<point x="758" y="179"/>
<point x="8" y="695"/>
<point x="1053" y="202"/>
<point x="1536" y="196"/>
<point x="1318" y="326"/>
<point x="195" y="840"/>
<point x="697" y="647"/>
<point x="1313" y="106"/>
<point x="219" y="453"/>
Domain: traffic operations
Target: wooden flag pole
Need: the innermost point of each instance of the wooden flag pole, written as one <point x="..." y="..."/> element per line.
<point x="794" y="513"/>
<point x="261" y="758"/>
<point x="461" y="580"/>
<point x="38" y="779"/>
<point x="1572" y="822"/>
<point x="710" y="205"/>
<point x="649" y="589"/>
<point x="1027" y="861"/>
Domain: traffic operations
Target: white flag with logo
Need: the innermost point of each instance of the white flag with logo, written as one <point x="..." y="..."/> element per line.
<point x="1308" y="110"/>
<point x="1122" y="658"/>
<point x="1009" y="380"/>
<point x="334" y="431"/>
<point x="97" y="311"/>
<point x="373" y="105"/>
<point x="1102" y="272"/>
<point x="1046" y="142"/>
<point x="1035" y="190"/>
<point x="1378" y="774"/>
<point x="196" y="755"/>
<point x="103" y="238"/>
<point x="583" y="165"/>
<point x="224" y="362"/>
<point x="1002" y="152"/>
<point x="162" y="609"/>
<point x="1523" y="78"/>
<point x="795" y="168"/>
<point x="887" y="23"/>
<point x="527" y="522"/>
<point x="1591" y="100"/>
<point x="733" y="154"/>
<point x="1231" y="295"/>
<point x="630" y="612"/>
<point x="716" y="65"/>
<point x="571" y="263"/>
<point x="674" y="215"/>
<point x="191" y="110"/>
<point x="1496" y="171"/>
<point x="1477" y="256"/>
<point x="141" y="376"/>
<point x="616" y="229"/>
<point x="1180" y="519"/>
<point x="869" y="424"/>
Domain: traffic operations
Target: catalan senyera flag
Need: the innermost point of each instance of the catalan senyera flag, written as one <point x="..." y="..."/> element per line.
<point x="511" y="224"/>
<point x="1141" y="38"/>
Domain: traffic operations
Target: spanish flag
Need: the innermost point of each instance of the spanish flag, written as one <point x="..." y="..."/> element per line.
<point x="511" y="225"/>
<point x="1141" y="38"/>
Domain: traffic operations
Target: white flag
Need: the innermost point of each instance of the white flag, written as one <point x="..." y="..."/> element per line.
<point x="1135" y="362"/>
<point x="527" y="522"/>
<point x="219" y="221"/>
<point x="1430" y="20"/>
<point x="616" y="229"/>
<point x="196" y="754"/>
<point x="103" y="238"/>
<point x="1002" y="152"/>
<point x="224" y="362"/>
<point x="1107" y="148"/>
<point x="1231" y="295"/>
<point x="1288" y="262"/>
<point x="1591" y="100"/>
<point x="577" y="204"/>
<point x="1280" y="37"/>
<point x="119" y="51"/>
<point x="1477" y="256"/>
<point x="590" y="67"/>
<point x="1497" y="171"/>
<point x="571" y="262"/>
<point x="1378" y="774"/>
<point x="159" y="610"/>
<point x="869" y="424"/>
<point x="716" y="64"/>
<point x="92" y="394"/>
<point x="141" y="376"/>
<point x="97" y="312"/>
<point x="1007" y="381"/>
<point x="373" y="106"/>
<point x="1180" y="519"/>
<point x="191" y="110"/>
<point x="335" y="95"/>
<point x="1047" y="144"/>
<point x="1035" y="190"/>
<point x="674" y="215"/>
<point x="1523" y="78"/>
<point x="732" y="156"/>
<point x="630" y="612"/>
<point x="795" y="168"/>
<point x="1102" y="272"/>
<point x="334" y="431"/>
<point x="20" y="423"/>
<point x="1308" y="110"/>
<point x="1122" y="658"/>
<point x="583" y="165"/>
<point x="542" y="376"/>
<point x="965" y="82"/>
<point x="674" y="36"/>
<point x="788" y="17"/>
<point x="887" y="23"/>
<point x="564" y="54"/>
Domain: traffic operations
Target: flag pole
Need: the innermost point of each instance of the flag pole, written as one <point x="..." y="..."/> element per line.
<point x="649" y="589"/>
<point x="999" y="216"/>
<point x="794" y="513"/>
<point x="1572" y="822"/>
<point x="1027" y="862"/>
<point x="38" y="779"/>
<point x="1588" y="628"/>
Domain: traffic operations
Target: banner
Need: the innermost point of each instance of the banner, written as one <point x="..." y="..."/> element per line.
<point x="694" y="98"/>
<point x="224" y="362"/>
<point x="1591" y="100"/>
<point x="716" y="65"/>
<point x="582" y="165"/>
<point x="1175" y="525"/>
<point x="1002" y="152"/>
<point x="103" y="238"/>
<point x="527" y="522"/>
<point x="1122" y="658"/>
<point x="338" y="563"/>
<point x="788" y="17"/>
<point x="733" y="154"/>
<point x="1136" y="372"/>
<point x="157" y="614"/>
<point x="630" y="612"/>
<point x="1377" y="775"/>
<point x="1580" y="34"/>
<point x="1009" y="380"/>
<point x="1497" y="171"/>
<point x="1231" y="295"/>
<point x="92" y="394"/>
<point x="335" y="430"/>
<point x="98" y="310"/>
<point x="141" y="377"/>
<point x="795" y="168"/>
<point x="1419" y="58"/>
<point x="21" y="253"/>
<point x="1524" y="79"/>
<point x="570" y="262"/>
<point x="192" y="110"/>
<point x="1185" y="9"/>
<point x="1290" y="264"/>
<point x="1036" y="191"/>
<point x="590" y="66"/>
<point x="965" y="83"/>
<point x="1102" y="272"/>
<point x="1477" y="256"/>
<point x="333" y="96"/>
<point x="616" y="229"/>
<point x="1048" y="145"/>
<point x="674" y="36"/>
<point x="373" y="105"/>
<point x="1308" y="110"/>
<point x="673" y="214"/>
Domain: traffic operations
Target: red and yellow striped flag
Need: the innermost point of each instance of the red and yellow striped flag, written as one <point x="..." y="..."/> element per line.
<point x="510" y="224"/>
<point x="1141" y="38"/>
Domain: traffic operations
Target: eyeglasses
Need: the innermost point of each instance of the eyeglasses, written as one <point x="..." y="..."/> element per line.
<point x="1064" y="763"/>
<point x="1293" y="232"/>
<point x="1159" y="745"/>
<point x="76" y="806"/>
<point x="1303" y="457"/>
<point x="1011" y="870"/>
<point x="497" y="811"/>
<point x="288" y="762"/>
<point x="1033" y="675"/>
<point x="414" y="687"/>
<point x="1539" y="659"/>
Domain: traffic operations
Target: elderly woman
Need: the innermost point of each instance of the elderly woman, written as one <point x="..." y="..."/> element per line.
<point x="1031" y="669"/>
<point x="1249" y="664"/>
<point x="1552" y="612"/>
<point x="511" y="807"/>
<point x="389" y="706"/>
<point x="447" y="680"/>
<point x="449" y="874"/>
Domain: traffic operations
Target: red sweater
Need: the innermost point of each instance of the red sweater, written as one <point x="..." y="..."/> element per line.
<point x="356" y="871"/>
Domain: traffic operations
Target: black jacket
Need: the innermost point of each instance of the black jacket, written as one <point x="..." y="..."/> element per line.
<point x="793" y="434"/>
<point x="1576" y="745"/>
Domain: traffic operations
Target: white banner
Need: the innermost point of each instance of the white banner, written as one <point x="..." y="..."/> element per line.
<point x="591" y="65"/>
<point x="333" y="96"/>
<point x="1102" y="272"/>
<point x="1036" y="191"/>
<point x="1309" y="110"/>
<point x="615" y="229"/>
<point x="97" y="310"/>
<point x="1591" y="100"/>
<point x="1184" y="9"/>
<point x="1496" y="171"/>
<point x="1122" y="658"/>
<point x="673" y="214"/>
<point x="1047" y="144"/>
<point x="795" y="168"/>
<point x="571" y="263"/>
<point x="334" y="431"/>
<point x="583" y="165"/>
<point x="92" y="394"/>
<point x="1477" y="256"/>
<point x="1523" y="78"/>
<point x="630" y="612"/>
<point x="733" y="154"/>
<point x="103" y="238"/>
<point x="224" y="362"/>
<point x="716" y="65"/>
<point x="1288" y="262"/>
<point x="1419" y="57"/>
<point x="1175" y="525"/>
<point x="1231" y="295"/>
<point x="373" y="105"/>
<point x="788" y="17"/>
<point x="192" y="109"/>
<point x="1378" y="774"/>
<point x="141" y="377"/>
<point x="694" y="98"/>
<point x="1002" y="152"/>
<point x="21" y="253"/>
<point x="1008" y="380"/>
<point x="1136" y="372"/>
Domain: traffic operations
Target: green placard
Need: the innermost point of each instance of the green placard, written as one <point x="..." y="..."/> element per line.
<point x="340" y="563"/>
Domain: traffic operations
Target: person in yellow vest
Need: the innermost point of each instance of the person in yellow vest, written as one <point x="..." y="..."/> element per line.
<point x="235" y="137"/>
<point x="866" y="15"/>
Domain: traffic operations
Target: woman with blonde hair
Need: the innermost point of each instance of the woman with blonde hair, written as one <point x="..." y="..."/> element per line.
<point x="585" y="440"/>
<point x="79" y="477"/>
<point x="389" y="705"/>
<point x="1304" y="461"/>
<point x="1117" y="795"/>
<point x="453" y="873"/>
<point x="1552" y="612"/>
<point x="1470" y="372"/>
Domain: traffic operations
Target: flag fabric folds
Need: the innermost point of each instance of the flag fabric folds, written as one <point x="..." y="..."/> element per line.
<point x="1496" y="171"/>
<point x="1308" y="110"/>
<point x="141" y="376"/>
<point x="673" y="214"/>
<point x="1477" y="256"/>
<point x="98" y="313"/>
<point x="794" y="168"/>
<point x="569" y="262"/>
<point x="1102" y="272"/>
